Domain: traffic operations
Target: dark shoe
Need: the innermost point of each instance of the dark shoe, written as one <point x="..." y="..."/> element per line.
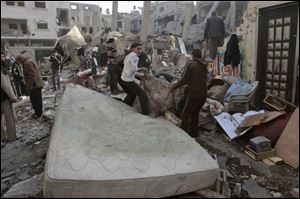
<point x="2" y="145"/>
<point x="34" y="116"/>
<point x="11" y="140"/>
<point x="116" y="92"/>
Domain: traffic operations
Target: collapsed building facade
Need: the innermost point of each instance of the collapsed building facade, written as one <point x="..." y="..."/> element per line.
<point x="87" y="17"/>
<point x="169" y="16"/>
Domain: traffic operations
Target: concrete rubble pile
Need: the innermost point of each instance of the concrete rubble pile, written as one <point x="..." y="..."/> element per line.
<point x="122" y="165"/>
<point x="22" y="162"/>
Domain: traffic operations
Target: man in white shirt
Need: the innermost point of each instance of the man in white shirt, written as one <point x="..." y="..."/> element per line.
<point x="128" y="79"/>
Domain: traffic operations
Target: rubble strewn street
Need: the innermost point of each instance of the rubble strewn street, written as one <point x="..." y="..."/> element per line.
<point x="123" y="92"/>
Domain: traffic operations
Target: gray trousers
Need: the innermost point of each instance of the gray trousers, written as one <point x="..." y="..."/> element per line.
<point x="8" y="112"/>
<point x="55" y="80"/>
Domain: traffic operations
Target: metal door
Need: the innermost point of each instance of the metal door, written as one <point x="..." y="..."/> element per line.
<point x="276" y="50"/>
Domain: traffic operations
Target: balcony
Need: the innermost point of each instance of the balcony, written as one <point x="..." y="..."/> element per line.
<point x="12" y="33"/>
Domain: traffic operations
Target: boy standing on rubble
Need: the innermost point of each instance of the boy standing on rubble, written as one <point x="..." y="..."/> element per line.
<point x="195" y="77"/>
<point x="128" y="76"/>
<point x="112" y="66"/>
<point x="102" y="49"/>
<point x="56" y="60"/>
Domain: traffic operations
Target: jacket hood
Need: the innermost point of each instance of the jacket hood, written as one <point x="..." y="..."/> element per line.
<point x="200" y="61"/>
<point x="21" y="58"/>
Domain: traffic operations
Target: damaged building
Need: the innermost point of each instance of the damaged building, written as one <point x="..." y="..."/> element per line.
<point x="126" y="22"/>
<point x="169" y="16"/>
<point x="33" y="34"/>
<point x="87" y="17"/>
<point x="247" y="145"/>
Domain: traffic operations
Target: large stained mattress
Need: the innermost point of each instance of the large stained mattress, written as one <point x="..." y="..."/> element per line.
<point x="101" y="147"/>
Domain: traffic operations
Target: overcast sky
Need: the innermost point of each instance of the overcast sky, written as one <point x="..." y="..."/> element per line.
<point x="124" y="6"/>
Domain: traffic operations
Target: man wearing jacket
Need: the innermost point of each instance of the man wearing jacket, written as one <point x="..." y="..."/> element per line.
<point x="195" y="77"/>
<point x="7" y="98"/>
<point x="33" y="83"/>
<point x="214" y="33"/>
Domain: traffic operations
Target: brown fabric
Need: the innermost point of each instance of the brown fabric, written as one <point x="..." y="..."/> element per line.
<point x="31" y="71"/>
<point x="190" y="115"/>
<point x="195" y="77"/>
<point x="160" y="95"/>
<point x="6" y="87"/>
<point x="214" y="82"/>
<point x="7" y="111"/>
<point x="273" y="129"/>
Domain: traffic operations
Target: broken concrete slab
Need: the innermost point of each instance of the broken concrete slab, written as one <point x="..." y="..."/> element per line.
<point x="254" y="190"/>
<point x="30" y="188"/>
<point x="102" y="148"/>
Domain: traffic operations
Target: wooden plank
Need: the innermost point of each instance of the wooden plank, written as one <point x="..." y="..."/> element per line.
<point x="287" y="146"/>
<point x="275" y="159"/>
<point x="252" y="120"/>
<point x="271" y="115"/>
<point x="268" y="162"/>
<point x="258" y="156"/>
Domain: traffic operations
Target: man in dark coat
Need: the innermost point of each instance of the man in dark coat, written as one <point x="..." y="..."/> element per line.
<point x="214" y="33"/>
<point x="33" y="83"/>
<point x="195" y="77"/>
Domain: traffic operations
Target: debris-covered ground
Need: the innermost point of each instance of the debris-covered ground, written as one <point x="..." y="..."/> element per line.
<point x="23" y="161"/>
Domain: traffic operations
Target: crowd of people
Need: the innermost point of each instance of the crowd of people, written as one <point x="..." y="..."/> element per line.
<point x="25" y="77"/>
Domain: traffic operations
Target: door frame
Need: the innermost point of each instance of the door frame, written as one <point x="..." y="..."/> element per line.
<point x="261" y="52"/>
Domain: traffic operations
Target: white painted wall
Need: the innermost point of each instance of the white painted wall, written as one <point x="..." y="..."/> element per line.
<point x="34" y="15"/>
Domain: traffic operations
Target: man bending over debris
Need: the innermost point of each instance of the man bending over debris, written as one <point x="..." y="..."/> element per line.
<point x="195" y="77"/>
<point x="33" y="83"/>
<point x="128" y="76"/>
